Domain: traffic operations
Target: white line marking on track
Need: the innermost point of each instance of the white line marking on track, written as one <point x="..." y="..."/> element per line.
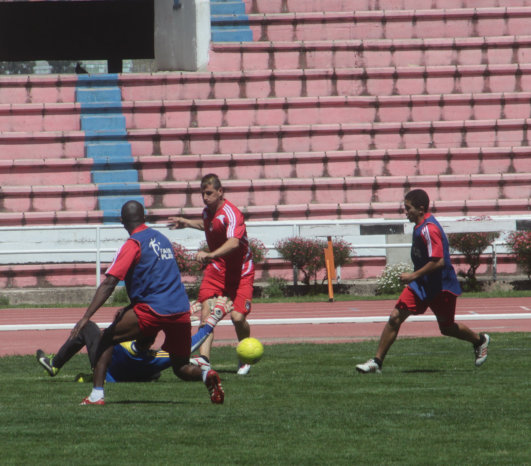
<point x="294" y="321"/>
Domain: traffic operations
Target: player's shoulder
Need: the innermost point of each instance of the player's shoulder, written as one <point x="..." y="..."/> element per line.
<point x="230" y="208"/>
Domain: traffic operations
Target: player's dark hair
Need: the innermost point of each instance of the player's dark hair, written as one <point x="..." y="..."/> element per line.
<point x="132" y="213"/>
<point x="418" y="198"/>
<point x="211" y="179"/>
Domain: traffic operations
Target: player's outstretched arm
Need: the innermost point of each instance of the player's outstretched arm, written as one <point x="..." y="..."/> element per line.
<point x="177" y="223"/>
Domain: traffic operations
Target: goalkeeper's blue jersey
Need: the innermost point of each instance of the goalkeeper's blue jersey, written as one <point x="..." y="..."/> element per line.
<point x="127" y="367"/>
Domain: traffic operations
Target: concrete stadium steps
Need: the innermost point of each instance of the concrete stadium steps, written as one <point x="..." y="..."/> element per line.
<point x="51" y="217"/>
<point x="349" y="136"/>
<point x="377" y="210"/>
<point x="388" y="24"/>
<point x="280" y="138"/>
<point x="45" y="171"/>
<point x="324" y="110"/>
<point x="370" y="53"/>
<point x="296" y="196"/>
<point x="389" y="210"/>
<point x="28" y="198"/>
<point x="342" y="190"/>
<point x="40" y="117"/>
<point x="378" y="162"/>
<point x="274" y="110"/>
<point x="48" y="275"/>
<point x="84" y="274"/>
<point x="324" y="82"/>
<point x="292" y="6"/>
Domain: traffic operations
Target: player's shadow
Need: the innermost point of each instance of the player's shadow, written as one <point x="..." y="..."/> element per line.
<point x="227" y="371"/>
<point x="146" y="402"/>
<point x="422" y="371"/>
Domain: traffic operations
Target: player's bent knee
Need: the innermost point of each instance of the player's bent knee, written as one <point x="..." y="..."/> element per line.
<point x="182" y="369"/>
<point x="238" y="318"/>
<point x="447" y="330"/>
<point x="394" y="322"/>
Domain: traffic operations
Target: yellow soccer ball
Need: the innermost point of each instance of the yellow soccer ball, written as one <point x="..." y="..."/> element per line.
<point x="250" y="350"/>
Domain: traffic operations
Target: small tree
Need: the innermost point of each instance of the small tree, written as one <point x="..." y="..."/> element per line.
<point x="471" y="245"/>
<point x="343" y="252"/>
<point x="303" y="253"/>
<point x="519" y="243"/>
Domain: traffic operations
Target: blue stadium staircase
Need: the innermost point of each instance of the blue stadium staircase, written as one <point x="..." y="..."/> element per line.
<point x="106" y="143"/>
<point x="229" y="23"/>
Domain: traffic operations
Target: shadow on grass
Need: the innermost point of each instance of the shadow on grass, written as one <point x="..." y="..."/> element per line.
<point x="146" y="402"/>
<point x="423" y="371"/>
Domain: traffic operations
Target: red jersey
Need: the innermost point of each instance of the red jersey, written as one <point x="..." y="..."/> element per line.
<point x="228" y="222"/>
<point x="127" y="256"/>
<point x="432" y="237"/>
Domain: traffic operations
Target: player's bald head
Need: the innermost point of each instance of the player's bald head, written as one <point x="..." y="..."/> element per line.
<point x="132" y="213"/>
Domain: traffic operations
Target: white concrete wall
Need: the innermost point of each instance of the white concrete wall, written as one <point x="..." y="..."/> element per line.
<point x="182" y="36"/>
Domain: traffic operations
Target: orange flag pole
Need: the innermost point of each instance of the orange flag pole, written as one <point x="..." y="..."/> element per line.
<point x="330" y="268"/>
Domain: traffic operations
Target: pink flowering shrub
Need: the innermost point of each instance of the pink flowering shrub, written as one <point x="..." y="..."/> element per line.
<point x="343" y="252"/>
<point x="520" y="244"/>
<point x="258" y="250"/>
<point x="307" y="255"/>
<point x="185" y="260"/>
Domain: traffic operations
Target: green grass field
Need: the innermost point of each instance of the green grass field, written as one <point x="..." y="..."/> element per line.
<point x="302" y="404"/>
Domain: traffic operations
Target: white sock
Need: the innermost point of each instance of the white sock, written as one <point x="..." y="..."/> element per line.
<point x="204" y="375"/>
<point x="96" y="394"/>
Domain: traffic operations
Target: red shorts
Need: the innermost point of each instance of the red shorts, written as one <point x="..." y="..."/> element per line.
<point x="443" y="305"/>
<point x="176" y="327"/>
<point x="239" y="291"/>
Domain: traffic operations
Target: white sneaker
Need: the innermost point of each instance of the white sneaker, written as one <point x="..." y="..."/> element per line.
<point x="243" y="369"/>
<point x="201" y="362"/>
<point x="481" y="350"/>
<point x="368" y="367"/>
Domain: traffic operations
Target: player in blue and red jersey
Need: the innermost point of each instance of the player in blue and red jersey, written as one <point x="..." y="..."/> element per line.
<point x="147" y="265"/>
<point x="433" y="283"/>
<point x="229" y="264"/>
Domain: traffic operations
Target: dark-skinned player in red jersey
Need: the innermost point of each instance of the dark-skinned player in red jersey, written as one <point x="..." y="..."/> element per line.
<point x="229" y="264"/>
<point x="147" y="265"/>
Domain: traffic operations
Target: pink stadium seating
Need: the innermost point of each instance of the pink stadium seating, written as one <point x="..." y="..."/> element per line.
<point x="333" y="111"/>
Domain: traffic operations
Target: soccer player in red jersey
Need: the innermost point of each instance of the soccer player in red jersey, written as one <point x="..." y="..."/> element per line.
<point x="229" y="264"/>
<point x="433" y="284"/>
<point x="147" y="265"/>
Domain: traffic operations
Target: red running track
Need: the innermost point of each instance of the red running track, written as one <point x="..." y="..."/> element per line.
<point x="280" y="323"/>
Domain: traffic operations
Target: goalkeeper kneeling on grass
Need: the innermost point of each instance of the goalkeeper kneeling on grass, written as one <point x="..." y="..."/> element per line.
<point x="132" y="361"/>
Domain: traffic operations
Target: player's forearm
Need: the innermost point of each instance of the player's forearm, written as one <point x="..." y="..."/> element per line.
<point x="226" y="248"/>
<point x="429" y="268"/>
<point x="181" y="222"/>
<point x="196" y="224"/>
<point x="101" y="295"/>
